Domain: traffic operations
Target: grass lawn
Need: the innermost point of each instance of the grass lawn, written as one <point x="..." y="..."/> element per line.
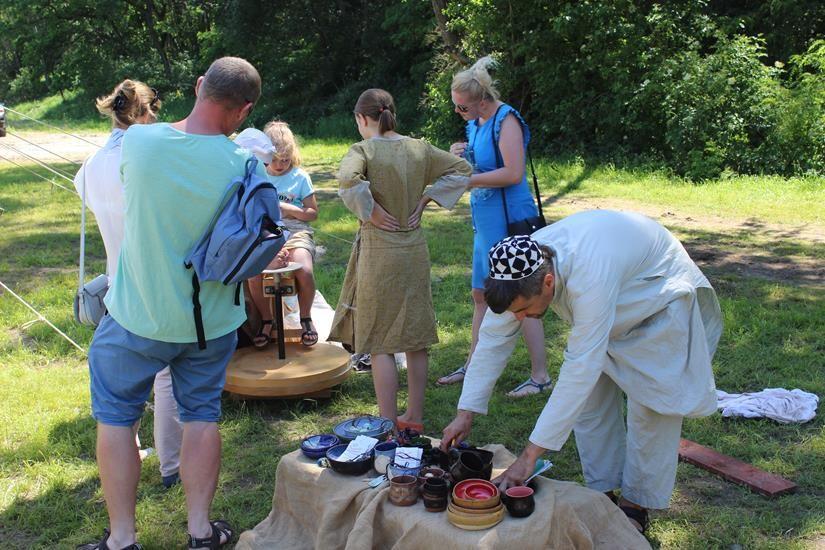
<point x="49" y="490"/>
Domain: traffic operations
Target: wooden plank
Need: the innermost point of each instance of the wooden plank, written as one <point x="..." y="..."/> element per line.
<point x="731" y="469"/>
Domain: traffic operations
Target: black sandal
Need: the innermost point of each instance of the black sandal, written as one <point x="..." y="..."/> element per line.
<point x="219" y="527"/>
<point x="638" y="515"/>
<point x="263" y="338"/>
<point x="309" y="337"/>
<point x="101" y="544"/>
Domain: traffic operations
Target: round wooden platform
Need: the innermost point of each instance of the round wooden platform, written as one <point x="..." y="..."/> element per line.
<point x="305" y="370"/>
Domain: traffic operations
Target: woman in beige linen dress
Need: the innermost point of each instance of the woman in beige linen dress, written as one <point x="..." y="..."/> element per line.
<point x="386" y="305"/>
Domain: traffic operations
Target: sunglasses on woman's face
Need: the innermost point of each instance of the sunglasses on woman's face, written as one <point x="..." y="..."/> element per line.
<point x="462" y="108"/>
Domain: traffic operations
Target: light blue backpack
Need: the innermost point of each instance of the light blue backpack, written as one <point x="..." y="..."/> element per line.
<point x="242" y="239"/>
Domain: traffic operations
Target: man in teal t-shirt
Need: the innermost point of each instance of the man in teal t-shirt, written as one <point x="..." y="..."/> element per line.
<point x="176" y="199"/>
<point x="174" y="180"/>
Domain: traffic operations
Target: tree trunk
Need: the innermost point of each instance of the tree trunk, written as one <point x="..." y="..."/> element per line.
<point x="450" y="39"/>
<point x="147" y="10"/>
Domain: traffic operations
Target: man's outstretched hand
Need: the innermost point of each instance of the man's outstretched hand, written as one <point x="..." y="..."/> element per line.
<point x="457" y="431"/>
<point x="521" y="469"/>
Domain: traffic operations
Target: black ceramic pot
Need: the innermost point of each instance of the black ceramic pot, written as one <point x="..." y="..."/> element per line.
<point x="519" y="501"/>
<point x="468" y="466"/>
<point x="471" y="464"/>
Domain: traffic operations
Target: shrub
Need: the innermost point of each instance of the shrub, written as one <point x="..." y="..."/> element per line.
<point x="721" y="110"/>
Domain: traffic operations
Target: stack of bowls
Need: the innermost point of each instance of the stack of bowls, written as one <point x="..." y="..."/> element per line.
<point x="371" y="426"/>
<point x="476" y="504"/>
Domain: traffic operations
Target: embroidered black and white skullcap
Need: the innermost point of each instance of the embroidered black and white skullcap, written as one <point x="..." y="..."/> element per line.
<point x="515" y="258"/>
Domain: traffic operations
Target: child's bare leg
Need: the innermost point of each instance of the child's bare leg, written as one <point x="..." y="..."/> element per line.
<point x="305" y="279"/>
<point x="417" y="362"/>
<point x="256" y="291"/>
<point x="385" y="380"/>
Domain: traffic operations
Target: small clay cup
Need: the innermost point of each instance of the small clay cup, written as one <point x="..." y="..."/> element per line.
<point x="435" y="493"/>
<point x="384" y="455"/>
<point x="430" y="472"/>
<point x="519" y="501"/>
<point x="404" y="490"/>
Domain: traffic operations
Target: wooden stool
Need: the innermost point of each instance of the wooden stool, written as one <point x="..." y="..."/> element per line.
<point x="278" y="283"/>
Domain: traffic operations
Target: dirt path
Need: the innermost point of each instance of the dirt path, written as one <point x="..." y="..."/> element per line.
<point x="748" y="247"/>
<point x="69" y="147"/>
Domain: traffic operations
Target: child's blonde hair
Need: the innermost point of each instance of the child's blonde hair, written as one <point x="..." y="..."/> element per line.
<point x="284" y="141"/>
<point x="476" y="81"/>
<point x="128" y="102"/>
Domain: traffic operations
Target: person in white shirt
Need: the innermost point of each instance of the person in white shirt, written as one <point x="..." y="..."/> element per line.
<point x="644" y="322"/>
<point x="131" y="102"/>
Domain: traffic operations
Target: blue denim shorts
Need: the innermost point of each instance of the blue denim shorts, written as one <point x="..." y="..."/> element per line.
<point x="123" y="365"/>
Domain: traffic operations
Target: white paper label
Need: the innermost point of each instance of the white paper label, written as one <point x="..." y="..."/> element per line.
<point x="358" y="448"/>
<point x="408" y="457"/>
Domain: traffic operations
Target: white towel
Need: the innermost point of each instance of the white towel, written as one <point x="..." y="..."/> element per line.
<point x="784" y="406"/>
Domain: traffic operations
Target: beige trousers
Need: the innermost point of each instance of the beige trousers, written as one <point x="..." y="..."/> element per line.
<point x="640" y="460"/>
<point x="168" y="427"/>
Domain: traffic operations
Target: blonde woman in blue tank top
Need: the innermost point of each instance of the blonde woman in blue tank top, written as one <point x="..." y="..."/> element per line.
<point x="497" y="138"/>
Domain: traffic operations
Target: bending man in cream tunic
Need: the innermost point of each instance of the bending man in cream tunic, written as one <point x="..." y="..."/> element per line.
<point x="644" y="321"/>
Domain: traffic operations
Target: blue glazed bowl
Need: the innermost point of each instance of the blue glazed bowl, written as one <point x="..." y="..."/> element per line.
<point x="355" y="468"/>
<point x="316" y="446"/>
<point x="371" y="426"/>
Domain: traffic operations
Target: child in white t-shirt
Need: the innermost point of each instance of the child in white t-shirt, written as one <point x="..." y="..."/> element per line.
<point x="298" y="208"/>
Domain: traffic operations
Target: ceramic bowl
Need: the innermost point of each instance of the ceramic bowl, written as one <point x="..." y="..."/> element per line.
<point x="474" y="523"/>
<point x="316" y="446"/>
<point x="371" y="426"/>
<point x="355" y="468"/>
<point x="458" y="510"/>
<point x="519" y="501"/>
<point x="476" y="494"/>
<point x="471" y="464"/>
<point x="435" y="493"/>
<point x="394" y="471"/>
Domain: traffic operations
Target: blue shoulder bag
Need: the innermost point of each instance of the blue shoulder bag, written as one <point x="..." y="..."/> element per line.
<point x="242" y="239"/>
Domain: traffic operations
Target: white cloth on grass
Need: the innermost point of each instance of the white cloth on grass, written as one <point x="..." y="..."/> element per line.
<point x="784" y="406"/>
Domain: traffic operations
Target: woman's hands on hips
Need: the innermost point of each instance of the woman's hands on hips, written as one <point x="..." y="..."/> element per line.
<point x="382" y="219"/>
<point x="415" y="218"/>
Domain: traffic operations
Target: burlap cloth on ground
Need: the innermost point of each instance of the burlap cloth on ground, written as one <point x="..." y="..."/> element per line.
<point x="317" y="508"/>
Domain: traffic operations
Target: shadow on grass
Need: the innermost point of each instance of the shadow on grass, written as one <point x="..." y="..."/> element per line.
<point x="773" y="255"/>
<point x="570" y="187"/>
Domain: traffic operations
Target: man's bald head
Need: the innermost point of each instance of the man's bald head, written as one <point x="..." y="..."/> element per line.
<point x="232" y="82"/>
